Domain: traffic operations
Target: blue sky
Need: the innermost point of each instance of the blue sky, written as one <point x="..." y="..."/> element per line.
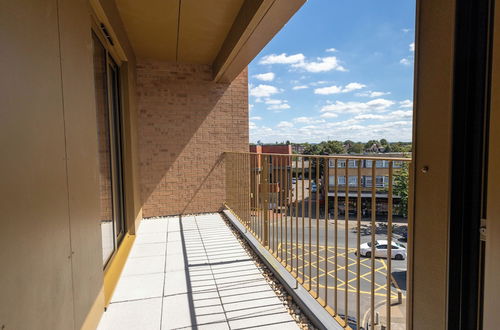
<point x="339" y="69"/>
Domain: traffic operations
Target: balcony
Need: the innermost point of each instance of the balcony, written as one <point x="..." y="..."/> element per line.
<point x="317" y="239"/>
<point x="192" y="272"/>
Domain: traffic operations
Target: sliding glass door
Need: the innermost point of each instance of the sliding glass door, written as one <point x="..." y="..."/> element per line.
<point x="109" y="134"/>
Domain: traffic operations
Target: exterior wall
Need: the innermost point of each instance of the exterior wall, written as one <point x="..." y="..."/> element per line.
<point x="186" y="122"/>
<point x="50" y="252"/>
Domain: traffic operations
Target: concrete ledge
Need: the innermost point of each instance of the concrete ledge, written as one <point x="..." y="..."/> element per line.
<point x="312" y="308"/>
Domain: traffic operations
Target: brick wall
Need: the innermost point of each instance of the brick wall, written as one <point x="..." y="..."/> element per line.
<point x="186" y="121"/>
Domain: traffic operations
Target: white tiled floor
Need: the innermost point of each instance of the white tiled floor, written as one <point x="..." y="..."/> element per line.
<point x="192" y="273"/>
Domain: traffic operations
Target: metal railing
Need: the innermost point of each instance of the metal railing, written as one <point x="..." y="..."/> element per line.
<point x="329" y="236"/>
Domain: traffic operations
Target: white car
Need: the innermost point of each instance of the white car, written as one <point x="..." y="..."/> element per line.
<point x="398" y="251"/>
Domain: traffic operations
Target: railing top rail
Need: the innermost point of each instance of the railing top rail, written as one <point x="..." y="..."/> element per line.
<point x="347" y="157"/>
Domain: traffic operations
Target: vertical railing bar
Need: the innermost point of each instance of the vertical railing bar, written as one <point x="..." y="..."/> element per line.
<point x="283" y="201"/>
<point x="277" y="205"/>
<point x="280" y="216"/>
<point x="267" y="222"/>
<point x="358" y="244"/>
<point x="280" y="245"/>
<point x="336" y="218"/>
<point x="317" y="228"/>
<point x="257" y="196"/>
<point x="238" y="187"/>
<point x="271" y="203"/>
<point x="373" y="230"/>
<point x="326" y="189"/>
<point x="296" y="216"/>
<point x="261" y="201"/>
<point x="309" y="161"/>
<point x="249" y="191"/>
<point x="303" y="220"/>
<point x="287" y="181"/>
<point x="389" y="247"/>
<point x="346" y="240"/>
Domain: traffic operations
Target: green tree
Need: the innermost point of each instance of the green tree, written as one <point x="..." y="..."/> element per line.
<point x="370" y="143"/>
<point x="356" y="148"/>
<point x="401" y="186"/>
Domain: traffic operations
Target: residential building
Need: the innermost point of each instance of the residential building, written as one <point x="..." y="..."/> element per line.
<point x="360" y="177"/>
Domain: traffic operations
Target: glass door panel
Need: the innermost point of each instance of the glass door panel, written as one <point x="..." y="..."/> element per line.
<point x="108" y="116"/>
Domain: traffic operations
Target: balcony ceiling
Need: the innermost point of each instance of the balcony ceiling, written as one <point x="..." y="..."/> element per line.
<point x="185" y="31"/>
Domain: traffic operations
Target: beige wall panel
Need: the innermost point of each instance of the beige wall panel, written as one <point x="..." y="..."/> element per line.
<point x="151" y="26"/>
<point x="432" y="143"/>
<point x="35" y="276"/>
<point x="492" y="262"/>
<point x="82" y="162"/>
<point x="203" y="27"/>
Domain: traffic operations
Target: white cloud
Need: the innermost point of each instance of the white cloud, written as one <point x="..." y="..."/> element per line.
<point x="263" y="91"/>
<point x="406" y="104"/>
<point x="255" y="118"/>
<point x="328" y="90"/>
<point x="378" y="94"/>
<point x="401" y="114"/>
<point x="284" y="124"/>
<point x="331" y="50"/>
<point x="265" y="76"/>
<point x="405" y="30"/>
<point x="307" y="120"/>
<point x="352" y="86"/>
<point x="283" y="106"/>
<point x="336" y="89"/>
<point x="329" y="115"/>
<point x="412" y="47"/>
<point x="300" y="87"/>
<point x="369" y="116"/>
<point x="373" y="94"/>
<point x="353" y="129"/>
<point x="282" y="59"/>
<point x="274" y="101"/>
<point x="323" y="64"/>
<point x="378" y="105"/>
<point x="406" y="61"/>
<point x="275" y="104"/>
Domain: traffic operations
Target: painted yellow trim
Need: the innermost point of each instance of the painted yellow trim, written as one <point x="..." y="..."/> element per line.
<point x="114" y="269"/>
<point x="94" y="316"/>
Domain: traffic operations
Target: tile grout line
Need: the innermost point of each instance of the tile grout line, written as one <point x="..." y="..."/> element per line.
<point x="213" y="275"/>
<point x="164" y="275"/>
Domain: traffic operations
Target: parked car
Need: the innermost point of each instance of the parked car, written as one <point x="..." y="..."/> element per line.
<point x="398" y="251"/>
<point x="294" y="180"/>
<point x="313" y="187"/>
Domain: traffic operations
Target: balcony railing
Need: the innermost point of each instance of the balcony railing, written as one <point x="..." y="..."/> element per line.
<point x="335" y="239"/>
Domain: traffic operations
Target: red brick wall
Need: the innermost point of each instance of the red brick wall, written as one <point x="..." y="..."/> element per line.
<point x="186" y="122"/>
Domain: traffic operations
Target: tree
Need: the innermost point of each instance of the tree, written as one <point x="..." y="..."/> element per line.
<point x="384" y="142"/>
<point x="401" y="186"/>
<point x="356" y="148"/>
<point x="370" y="143"/>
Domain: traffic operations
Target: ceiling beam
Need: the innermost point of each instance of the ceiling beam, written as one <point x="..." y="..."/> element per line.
<point x="256" y="24"/>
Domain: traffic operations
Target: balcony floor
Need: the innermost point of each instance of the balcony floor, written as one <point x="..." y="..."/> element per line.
<point x="192" y="272"/>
